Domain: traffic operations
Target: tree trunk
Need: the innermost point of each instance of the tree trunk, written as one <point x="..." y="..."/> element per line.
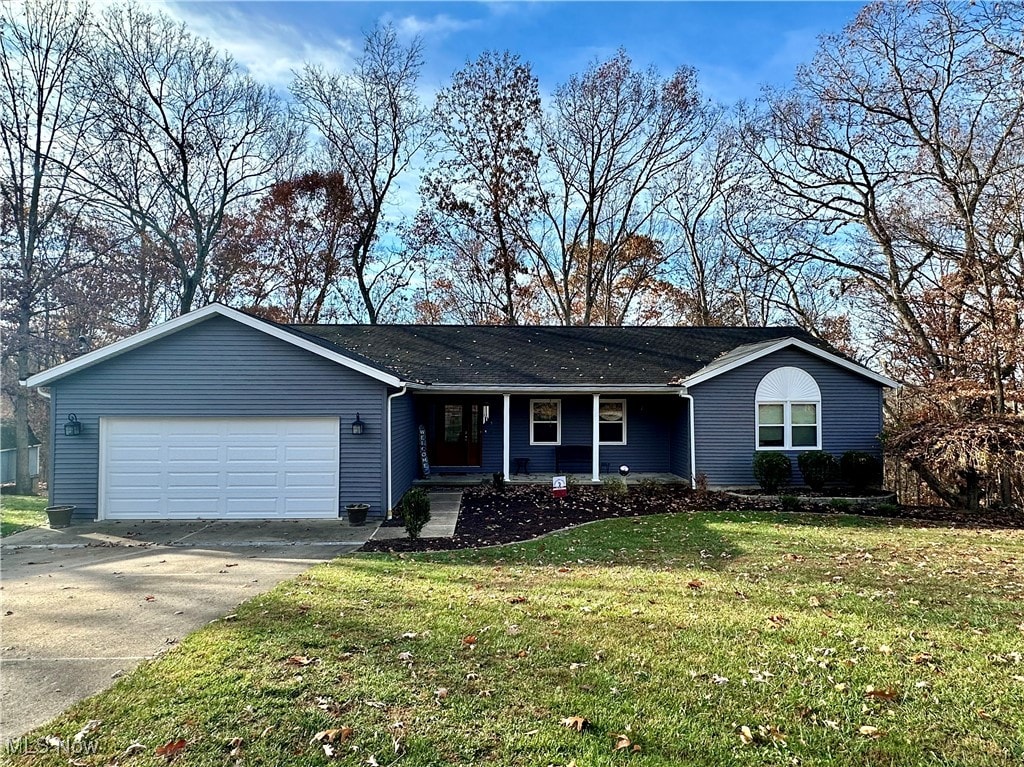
<point x="22" y="479"/>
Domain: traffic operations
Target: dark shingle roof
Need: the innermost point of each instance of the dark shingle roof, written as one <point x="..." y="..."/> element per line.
<point x="540" y="355"/>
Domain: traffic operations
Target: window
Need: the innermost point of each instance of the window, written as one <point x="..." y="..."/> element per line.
<point x="545" y="422"/>
<point x="788" y="411"/>
<point x="611" y="422"/>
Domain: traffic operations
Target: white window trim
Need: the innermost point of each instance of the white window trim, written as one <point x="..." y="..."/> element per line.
<point x="787" y="424"/>
<point x="624" y="419"/>
<point x="558" y="422"/>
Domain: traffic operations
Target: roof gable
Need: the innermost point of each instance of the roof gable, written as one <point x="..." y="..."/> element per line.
<point x="193" y="318"/>
<point x="741" y="355"/>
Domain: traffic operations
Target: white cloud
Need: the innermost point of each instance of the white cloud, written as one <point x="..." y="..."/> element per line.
<point x="268" y="49"/>
<point x="431" y="28"/>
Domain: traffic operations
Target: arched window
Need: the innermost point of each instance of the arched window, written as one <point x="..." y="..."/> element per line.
<point x="788" y="411"/>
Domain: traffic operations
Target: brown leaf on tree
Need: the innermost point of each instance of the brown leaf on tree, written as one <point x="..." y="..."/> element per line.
<point x="171" y="748"/>
<point x="578" y="723"/>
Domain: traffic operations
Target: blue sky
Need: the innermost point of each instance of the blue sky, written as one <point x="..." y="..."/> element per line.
<point x="735" y="46"/>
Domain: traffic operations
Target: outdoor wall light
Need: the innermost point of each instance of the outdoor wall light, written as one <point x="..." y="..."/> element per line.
<point x="358" y="426"/>
<point x="72" y="428"/>
<point x="624" y="470"/>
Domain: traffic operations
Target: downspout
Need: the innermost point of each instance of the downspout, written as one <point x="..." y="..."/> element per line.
<point x="404" y="390"/>
<point x="693" y="441"/>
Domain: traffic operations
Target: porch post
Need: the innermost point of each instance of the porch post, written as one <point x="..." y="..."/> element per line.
<point x="596" y="467"/>
<point x="506" y="427"/>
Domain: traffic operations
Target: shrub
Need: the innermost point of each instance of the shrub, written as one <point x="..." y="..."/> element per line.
<point x="772" y="470"/>
<point x="614" y="487"/>
<point x="498" y="480"/>
<point x="701" y="483"/>
<point x="789" y="503"/>
<point x="840" y="505"/>
<point x="817" y="467"/>
<point x="415" y="511"/>
<point x="860" y="469"/>
<point x="888" y="509"/>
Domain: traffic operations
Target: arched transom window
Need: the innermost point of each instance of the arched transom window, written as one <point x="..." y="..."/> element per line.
<point x="788" y="411"/>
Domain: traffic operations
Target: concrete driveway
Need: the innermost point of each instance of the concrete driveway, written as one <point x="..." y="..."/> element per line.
<point x="84" y="605"/>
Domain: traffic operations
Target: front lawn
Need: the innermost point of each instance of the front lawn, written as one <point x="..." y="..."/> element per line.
<point x="705" y="639"/>
<point x="20" y="512"/>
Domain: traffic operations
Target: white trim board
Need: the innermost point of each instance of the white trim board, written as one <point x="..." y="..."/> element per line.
<point x="192" y="318"/>
<point x="707" y="374"/>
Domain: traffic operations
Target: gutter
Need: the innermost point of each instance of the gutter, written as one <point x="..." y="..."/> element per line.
<point x="693" y="441"/>
<point x="401" y="392"/>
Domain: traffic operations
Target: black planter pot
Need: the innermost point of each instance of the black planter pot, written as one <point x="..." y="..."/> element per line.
<point x="59" y="516"/>
<point x="357" y="513"/>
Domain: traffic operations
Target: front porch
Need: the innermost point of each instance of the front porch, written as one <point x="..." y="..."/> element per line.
<point x="454" y="479"/>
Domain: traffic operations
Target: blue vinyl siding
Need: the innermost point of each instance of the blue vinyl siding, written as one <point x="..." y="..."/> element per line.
<point x="218" y="368"/>
<point x="404" y="446"/>
<point x="649" y="422"/>
<point x="851" y="415"/>
<point x="680" y="440"/>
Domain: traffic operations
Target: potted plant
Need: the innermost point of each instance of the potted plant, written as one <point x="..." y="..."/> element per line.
<point x="357" y="513"/>
<point x="59" y="516"/>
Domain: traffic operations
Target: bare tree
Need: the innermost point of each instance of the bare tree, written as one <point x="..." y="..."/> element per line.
<point x="903" y="142"/>
<point x="44" y="113"/>
<point x="373" y="127"/>
<point x="482" y="193"/>
<point x="612" y="137"/>
<point x="186" y="136"/>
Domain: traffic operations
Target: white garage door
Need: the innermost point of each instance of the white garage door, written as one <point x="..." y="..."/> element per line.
<point x="219" y="468"/>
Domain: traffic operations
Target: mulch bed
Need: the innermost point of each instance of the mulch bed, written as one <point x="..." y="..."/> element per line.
<point x="521" y="513"/>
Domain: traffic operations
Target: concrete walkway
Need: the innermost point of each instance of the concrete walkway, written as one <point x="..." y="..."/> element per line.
<point x="83" y="605"/>
<point x="444" y="514"/>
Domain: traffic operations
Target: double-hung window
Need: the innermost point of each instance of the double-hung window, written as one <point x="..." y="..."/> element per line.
<point x="788" y="411"/>
<point x="611" y="422"/>
<point x="545" y="422"/>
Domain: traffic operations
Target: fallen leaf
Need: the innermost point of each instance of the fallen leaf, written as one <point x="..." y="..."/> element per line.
<point x="868" y="731"/>
<point x="921" y="657"/>
<point x="441" y="693"/>
<point x="622" y="742"/>
<point x="517" y="600"/>
<point x="171" y="748"/>
<point x="746" y="736"/>
<point x="813" y="601"/>
<point x="578" y="723"/>
<point x="235" y="744"/>
<point x="150" y="598"/>
<point x="134" y="748"/>
<point x="777" y="621"/>
<point x="469" y="640"/>
<point x="338" y="735"/>
<point x="695" y="584"/>
<point x="885" y="649"/>
<point x="301" y="660"/>
<point x="91" y="726"/>
<point x="410" y="635"/>
<point x="881" y="693"/>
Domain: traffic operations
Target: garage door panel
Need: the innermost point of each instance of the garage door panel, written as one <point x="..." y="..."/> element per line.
<point x="182" y="468"/>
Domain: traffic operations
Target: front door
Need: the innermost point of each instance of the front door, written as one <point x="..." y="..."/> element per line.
<point x="457" y="434"/>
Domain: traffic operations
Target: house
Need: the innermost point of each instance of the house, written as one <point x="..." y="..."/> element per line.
<point x="9" y="454"/>
<point x="219" y="414"/>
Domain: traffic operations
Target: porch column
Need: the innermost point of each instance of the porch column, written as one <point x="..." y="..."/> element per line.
<point x="506" y="426"/>
<point x="596" y="467"/>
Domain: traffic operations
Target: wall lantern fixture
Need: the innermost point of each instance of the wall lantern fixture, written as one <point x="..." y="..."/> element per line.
<point x="72" y="428"/>
<point x="358" y="426"/>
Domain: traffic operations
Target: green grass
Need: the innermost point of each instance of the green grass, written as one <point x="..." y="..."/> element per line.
<point x="675" y="631"/>
<point x="20" y="512"/>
